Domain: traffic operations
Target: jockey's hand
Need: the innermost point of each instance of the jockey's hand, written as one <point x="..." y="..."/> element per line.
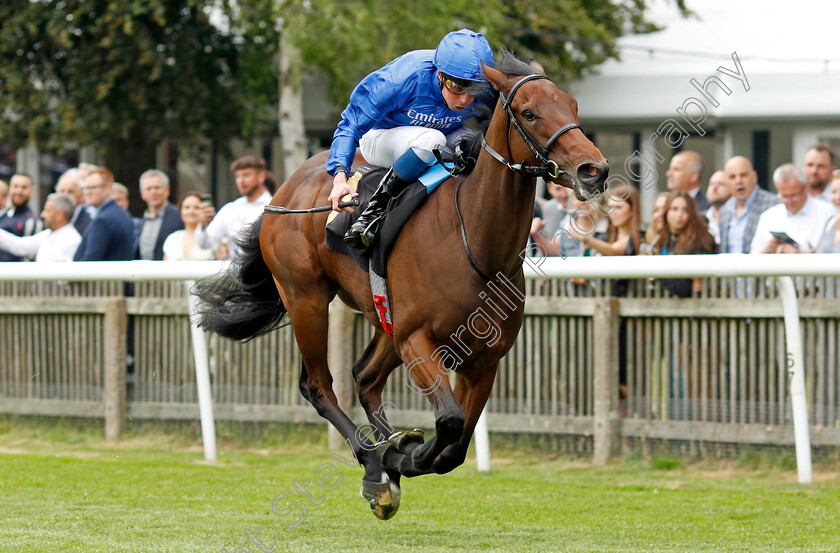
<point x="339" y="190"/>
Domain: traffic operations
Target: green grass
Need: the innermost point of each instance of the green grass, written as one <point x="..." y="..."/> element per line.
<point x="63" y="488"/>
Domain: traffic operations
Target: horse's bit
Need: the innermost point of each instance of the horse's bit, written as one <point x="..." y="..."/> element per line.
<point x="547" y="168"/>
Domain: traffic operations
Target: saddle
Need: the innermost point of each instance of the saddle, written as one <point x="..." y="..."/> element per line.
<point x="374" y="260"/>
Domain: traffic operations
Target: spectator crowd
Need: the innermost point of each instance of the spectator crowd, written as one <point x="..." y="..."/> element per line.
<point x="86" y="218"/>
<point x="733" y="215"/>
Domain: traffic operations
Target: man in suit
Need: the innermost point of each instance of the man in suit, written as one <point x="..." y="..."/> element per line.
<point x="69" y="183"/>
<point x="110" y="235"/>
<point x="739" y="215"/>
<point x="684" y="174"/>
<point x="160" y="219"/>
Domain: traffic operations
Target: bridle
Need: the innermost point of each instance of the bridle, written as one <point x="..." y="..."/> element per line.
<point x="548" y="169"/>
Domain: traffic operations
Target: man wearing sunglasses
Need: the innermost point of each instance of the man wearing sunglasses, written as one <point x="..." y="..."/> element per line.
<point x="400" y="113"/>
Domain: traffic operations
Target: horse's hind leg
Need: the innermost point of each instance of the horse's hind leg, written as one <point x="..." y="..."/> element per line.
<point x="371" y="372"/>
<point x="309" y="312"/>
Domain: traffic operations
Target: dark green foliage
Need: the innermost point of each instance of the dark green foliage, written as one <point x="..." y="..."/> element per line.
<point x="103" y="71"/>
<point x="348" y="39"/>
<point x="125" y="74"/>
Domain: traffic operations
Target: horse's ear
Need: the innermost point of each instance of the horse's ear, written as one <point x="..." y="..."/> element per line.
<point x="496" y="78"/>
<point x="537" y="66"/>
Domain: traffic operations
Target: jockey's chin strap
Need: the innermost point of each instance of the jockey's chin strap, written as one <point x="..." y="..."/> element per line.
<point x="548" y="169"/>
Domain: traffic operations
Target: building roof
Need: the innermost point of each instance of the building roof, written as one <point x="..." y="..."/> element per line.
<point x="789" y="57"/>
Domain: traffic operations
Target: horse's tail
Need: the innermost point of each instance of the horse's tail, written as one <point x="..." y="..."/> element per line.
<point x="242" y="303"/>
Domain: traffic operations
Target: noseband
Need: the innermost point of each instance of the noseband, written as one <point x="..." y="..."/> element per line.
<point x="548" y="169"/>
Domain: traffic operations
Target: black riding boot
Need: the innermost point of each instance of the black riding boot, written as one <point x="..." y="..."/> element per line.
<point x="363" y="231"/>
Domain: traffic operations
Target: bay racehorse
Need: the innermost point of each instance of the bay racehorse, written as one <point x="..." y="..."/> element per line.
<point x="471" y="230"/>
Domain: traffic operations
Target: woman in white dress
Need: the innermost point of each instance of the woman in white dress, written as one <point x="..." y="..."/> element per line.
<point x="180" y="245"/>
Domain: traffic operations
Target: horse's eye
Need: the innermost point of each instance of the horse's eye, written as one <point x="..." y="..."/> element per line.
<point x="528" y="115"/>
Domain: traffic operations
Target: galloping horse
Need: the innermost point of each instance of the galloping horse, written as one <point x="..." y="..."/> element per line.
<point x="470" y="230"/>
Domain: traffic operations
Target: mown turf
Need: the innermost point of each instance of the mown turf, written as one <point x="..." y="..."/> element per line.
<point x="65" y="489"/>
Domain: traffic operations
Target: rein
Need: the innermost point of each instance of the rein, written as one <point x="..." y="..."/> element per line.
<point x="470" y="257"/>
<point x="547" y="169"/>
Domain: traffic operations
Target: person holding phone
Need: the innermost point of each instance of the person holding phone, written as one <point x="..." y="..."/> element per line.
<point x="219" y="231"/>
<point x="181" y="245"/>
<point x="795" y="225"/>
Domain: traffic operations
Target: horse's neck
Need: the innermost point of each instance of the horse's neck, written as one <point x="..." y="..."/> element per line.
<point x="497" y="207"/>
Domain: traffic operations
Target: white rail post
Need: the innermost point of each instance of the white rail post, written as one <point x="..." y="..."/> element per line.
<point x="796" y="368"/>
<point x="482" y="443"/>
<point x="202" y="377"/>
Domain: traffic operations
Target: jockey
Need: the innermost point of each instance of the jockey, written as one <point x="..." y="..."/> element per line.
<point x="400" y="113"/>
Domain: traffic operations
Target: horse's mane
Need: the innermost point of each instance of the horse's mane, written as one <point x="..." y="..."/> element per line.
<point x="512" y="66"/>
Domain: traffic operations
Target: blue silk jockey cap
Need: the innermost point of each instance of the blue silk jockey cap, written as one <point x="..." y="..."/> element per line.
<point x="460" y="54"/>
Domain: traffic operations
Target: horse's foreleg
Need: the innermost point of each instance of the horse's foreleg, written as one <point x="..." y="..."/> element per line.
<point x="472" y="393"/>
<point x="426" y="379"/>
<point x="371" y="372"/>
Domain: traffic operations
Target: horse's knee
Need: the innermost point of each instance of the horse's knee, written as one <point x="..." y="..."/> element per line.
<point x="305" y="390"/>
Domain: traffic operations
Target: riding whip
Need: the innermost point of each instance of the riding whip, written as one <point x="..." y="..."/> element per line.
<point x="353" y="181"/>
<point x="280" y="210"/>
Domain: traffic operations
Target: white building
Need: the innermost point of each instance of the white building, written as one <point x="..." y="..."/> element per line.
<point x="781" y="96"/>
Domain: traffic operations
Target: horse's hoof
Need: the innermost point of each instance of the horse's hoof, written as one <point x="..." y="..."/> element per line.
<point x="384" y="498"/>
<point x="400" y="440"/>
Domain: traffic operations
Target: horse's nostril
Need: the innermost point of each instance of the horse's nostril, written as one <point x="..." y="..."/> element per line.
<point x="592" y="173"/>
<point x="589" y="173"/>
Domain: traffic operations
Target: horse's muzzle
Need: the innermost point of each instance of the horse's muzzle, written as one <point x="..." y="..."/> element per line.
<point x="593" y="176"/>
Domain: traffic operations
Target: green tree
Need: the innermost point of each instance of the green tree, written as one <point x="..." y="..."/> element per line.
<point x="347" y="39"/>
<point x="126" y="74"/>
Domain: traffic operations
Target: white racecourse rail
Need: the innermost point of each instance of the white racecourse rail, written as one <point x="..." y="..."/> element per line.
<point x="721" y="265"/>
